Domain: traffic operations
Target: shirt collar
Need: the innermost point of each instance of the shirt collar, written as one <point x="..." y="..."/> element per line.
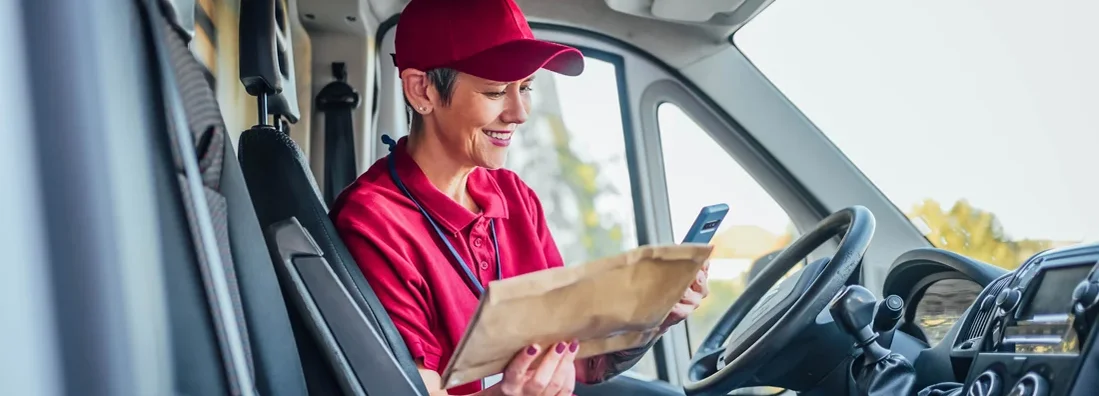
<point x="448" y="213"/>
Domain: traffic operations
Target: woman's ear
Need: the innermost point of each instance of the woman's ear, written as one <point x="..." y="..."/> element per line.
<point x="416" y="85"/>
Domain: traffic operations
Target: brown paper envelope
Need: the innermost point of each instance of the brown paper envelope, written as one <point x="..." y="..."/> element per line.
<point x="610" y="304"/>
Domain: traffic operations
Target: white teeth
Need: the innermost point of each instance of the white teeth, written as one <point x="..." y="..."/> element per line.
<point x="499" y="135"/>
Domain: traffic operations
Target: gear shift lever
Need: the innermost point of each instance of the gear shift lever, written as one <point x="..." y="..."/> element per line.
<point x="854" y="311"/>
<point x="881" y="372"/>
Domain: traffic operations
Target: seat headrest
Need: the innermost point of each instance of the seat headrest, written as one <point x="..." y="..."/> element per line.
<point x="267" y="55"/>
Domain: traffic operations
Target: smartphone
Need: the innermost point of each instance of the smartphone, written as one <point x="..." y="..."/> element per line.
<point x="706" y="224"/>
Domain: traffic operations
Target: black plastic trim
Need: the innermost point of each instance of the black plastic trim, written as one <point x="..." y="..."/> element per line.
<point x="916" y="264"/>
<point x="356" y="351"/>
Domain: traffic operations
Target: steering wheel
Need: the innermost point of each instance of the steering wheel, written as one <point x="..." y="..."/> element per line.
<point x="773" y="317"/>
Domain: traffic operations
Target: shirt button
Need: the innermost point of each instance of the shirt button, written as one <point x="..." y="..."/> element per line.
<point x="484" y="265"/>
<point x="477" y="242"/>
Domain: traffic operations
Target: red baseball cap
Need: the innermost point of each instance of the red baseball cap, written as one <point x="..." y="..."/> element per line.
<point x="485" y="38"/>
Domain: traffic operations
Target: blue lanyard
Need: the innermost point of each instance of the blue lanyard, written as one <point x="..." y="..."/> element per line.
<point x="478" y="288"/>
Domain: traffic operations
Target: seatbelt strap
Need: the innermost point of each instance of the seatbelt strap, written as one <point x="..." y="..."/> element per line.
<point x="227" y="327"/>
<point x="337" y="101"/>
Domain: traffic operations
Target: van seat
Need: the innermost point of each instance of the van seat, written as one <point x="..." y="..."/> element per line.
<point x="198" y="367"/>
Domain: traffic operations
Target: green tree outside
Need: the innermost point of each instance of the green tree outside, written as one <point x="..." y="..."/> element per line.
<point x="567" y="184"/>
<point x="975" y="233"/>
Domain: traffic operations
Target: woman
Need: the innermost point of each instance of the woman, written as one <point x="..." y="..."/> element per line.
<point x="437" y="219"/>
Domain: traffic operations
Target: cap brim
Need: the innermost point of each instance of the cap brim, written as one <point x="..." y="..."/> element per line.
<point x="519" y="59"/>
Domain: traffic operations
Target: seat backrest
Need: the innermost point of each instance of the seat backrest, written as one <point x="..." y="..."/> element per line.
<point x="270" y="340"/>
<point x="283" y="189"/>
<point x="273" y="167"/>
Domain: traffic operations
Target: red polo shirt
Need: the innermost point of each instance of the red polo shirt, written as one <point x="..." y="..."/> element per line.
<point x="411" y="270"/>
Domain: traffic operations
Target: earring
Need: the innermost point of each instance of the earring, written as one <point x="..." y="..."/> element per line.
<point x="421" y="108"/>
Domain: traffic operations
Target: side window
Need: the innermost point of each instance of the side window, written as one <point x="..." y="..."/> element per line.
<point x="700" y="172"/>
<point x="572" y="152"/>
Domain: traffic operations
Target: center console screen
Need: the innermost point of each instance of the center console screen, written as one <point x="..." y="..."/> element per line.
<point x="1054" y="294"/>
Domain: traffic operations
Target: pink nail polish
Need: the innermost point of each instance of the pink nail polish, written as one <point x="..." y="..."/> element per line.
<point x="560" y="347"/>
<point x="531" y="350"/>
<point x="575" y="345"/>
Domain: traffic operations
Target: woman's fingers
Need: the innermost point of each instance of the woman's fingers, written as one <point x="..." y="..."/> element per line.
<point x="543" y="375"/>
<point x="515" y="375"/>
<point x="564" y="378"/>
<point x="693" y="298"/>
<point x="700" y="282"/>
<point x="553" y="375"/>
<point x="704" y="285"/>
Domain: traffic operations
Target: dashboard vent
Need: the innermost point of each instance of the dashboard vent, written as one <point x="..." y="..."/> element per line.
<point x="988" y="383"/>
<point x="979" y="320"/>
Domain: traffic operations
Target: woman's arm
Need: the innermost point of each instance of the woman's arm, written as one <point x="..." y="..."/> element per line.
<point x="597" y="369"/>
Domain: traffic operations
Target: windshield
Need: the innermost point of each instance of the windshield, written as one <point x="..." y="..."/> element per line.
<point x="976" y="120"/>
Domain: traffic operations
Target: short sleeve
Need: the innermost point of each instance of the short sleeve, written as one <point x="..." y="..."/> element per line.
<point x="399" y="287"/>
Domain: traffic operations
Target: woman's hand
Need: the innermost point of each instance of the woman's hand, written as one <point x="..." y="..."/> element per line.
<point x="554" y="375"/>
<point x="690" y="300"/>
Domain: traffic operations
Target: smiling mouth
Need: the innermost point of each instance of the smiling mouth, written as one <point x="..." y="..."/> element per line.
<point x="498" y="135"/>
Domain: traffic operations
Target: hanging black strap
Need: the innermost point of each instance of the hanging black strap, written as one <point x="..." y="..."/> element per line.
<point x="337" y="101"/>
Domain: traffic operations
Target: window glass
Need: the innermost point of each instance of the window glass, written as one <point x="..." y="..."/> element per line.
<point x="572" y="153"/>
<point x="700" y="172"/>
<point x="976" y="120"/>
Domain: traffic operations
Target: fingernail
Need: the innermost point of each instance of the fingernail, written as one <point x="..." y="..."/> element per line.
<point x="560" y="347"/>
<point x="531" y="350"/>
<point x="574" y="346"/>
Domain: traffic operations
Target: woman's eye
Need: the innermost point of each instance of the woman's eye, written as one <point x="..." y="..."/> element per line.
<point x="495" y="95"/>
<point x="527" y="88"/>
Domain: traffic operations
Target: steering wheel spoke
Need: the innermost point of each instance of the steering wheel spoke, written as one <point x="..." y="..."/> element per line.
<point x="705" y="364"/>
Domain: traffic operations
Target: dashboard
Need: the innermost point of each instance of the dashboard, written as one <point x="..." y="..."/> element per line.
<point x="1020" y="334"/>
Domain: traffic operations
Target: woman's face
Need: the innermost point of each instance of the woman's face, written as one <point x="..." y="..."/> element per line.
<point x="481" y="118"/>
